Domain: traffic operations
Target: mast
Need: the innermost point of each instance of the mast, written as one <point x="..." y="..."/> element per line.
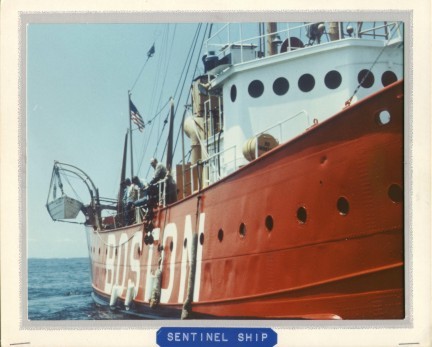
<point x="170" y="137"/>
<point x="271" y="38"/>
<point x="130" y="132"/>
<point x="122" y="176"/>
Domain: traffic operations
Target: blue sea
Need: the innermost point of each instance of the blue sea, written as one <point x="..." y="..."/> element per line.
<point x="60" y="289"/>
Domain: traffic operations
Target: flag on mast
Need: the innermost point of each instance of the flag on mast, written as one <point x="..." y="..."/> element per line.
<point x="135" y="116"/>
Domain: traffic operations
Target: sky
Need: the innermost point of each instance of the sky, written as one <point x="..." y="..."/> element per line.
<point x="78" y="78"/>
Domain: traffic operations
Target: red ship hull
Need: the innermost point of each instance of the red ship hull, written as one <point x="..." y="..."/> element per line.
<point x="311" y="230"/>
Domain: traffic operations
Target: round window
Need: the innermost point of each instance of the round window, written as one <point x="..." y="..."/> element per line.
<point x="306" y="83"/>
<point x="388" y="77"/>
<point x="280" y="86"/>
<point x="233" y="93"/>
<point x="256" y="89"/>
<point x="366" y="78"/>
<point x="333" y="79"/>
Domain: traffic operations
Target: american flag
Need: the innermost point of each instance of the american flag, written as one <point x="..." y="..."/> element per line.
<point x="135" y="116"/>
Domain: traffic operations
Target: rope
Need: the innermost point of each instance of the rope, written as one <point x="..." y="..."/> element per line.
<point x="67" y="221"/>
<point x="348" y="102"/>
<point x="189" y="57"/>
<point x="139" y="75"/>
<point x="67" y="180"/>
<point x="115" y="246"/>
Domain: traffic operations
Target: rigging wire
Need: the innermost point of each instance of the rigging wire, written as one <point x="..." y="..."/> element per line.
<point x="183" y="77"/>
<point x="66" y="176"/>
<point x="166" y="56"/>
<point x="191" y="52"/>
<point x="196" y="68"/>
<point x="348" y="102"/>
<point x="190" y="55"/>
<point x="139" y="75"/>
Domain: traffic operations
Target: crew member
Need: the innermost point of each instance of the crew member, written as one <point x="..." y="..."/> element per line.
<point x="160" y="174"/>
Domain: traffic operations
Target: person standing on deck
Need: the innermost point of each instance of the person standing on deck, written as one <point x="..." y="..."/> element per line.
<point x="138" y="186"/>
<point x="160" y="171"/>
<point x="127" y="200"/>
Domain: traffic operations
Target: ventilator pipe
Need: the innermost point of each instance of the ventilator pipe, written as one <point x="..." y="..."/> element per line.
<point x="194" y="129"/>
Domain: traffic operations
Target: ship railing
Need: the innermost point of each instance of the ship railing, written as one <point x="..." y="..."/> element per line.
<point x="386" y="30"/>
<point x="162" y="185"/>
<point x="241" y="46"/>
<point x="277" y="130"/>
<point x="211" y="169"/>
<point x="213" y="124"/>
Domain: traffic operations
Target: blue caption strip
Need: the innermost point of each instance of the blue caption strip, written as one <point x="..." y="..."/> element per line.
<point x="250" y="337"/>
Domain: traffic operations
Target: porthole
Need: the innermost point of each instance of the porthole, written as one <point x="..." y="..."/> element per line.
<point x="306" y="83"/>
<point x="395" y="193"/>
<point x="171" y="246"/>
<point x="233" y="93"/>
<point x="201" y="238"/>
<point x="242" y="230"/>
<point x="220" y="235"/>
<point x="139" y="251"/>
<point x="185" y="243"/>
<point x="269" y="223"/>
<point x="366" y="78"/>
<point x="302" y="215"/>
<point x="383" y="117"/>
<point x="333" y="79"/>
<point x="343" y="206"/>
<point x="388" y="77"/>
<point x="280" y="86"/>
<point x="256" y="89"/>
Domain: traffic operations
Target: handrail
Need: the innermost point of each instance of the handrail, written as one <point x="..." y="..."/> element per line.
<point x="291" y="32"/>
<point x="205" y="162"/>
<point x="279" y="124"/>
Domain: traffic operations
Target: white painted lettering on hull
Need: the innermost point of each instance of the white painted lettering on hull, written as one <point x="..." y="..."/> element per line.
<point x="122" y="249"/>
<point x="169" y="232"/>
<point x="134" y="261"/>
<point x="109" y="264"/>
<point x="128" y="258"/>
<point x="186" y="258"/>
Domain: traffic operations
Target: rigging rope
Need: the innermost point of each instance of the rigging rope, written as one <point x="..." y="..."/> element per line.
<point x="189" y="57"/>
<point x="66" y="176"/>
<point x="196" y="68"/>
<point x="348" y="102"/>
<point x="139" y="75"/>
<point x="181" y="82"/>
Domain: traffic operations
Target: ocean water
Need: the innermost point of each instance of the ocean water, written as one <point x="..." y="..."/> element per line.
<point x="60" y="289"/>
